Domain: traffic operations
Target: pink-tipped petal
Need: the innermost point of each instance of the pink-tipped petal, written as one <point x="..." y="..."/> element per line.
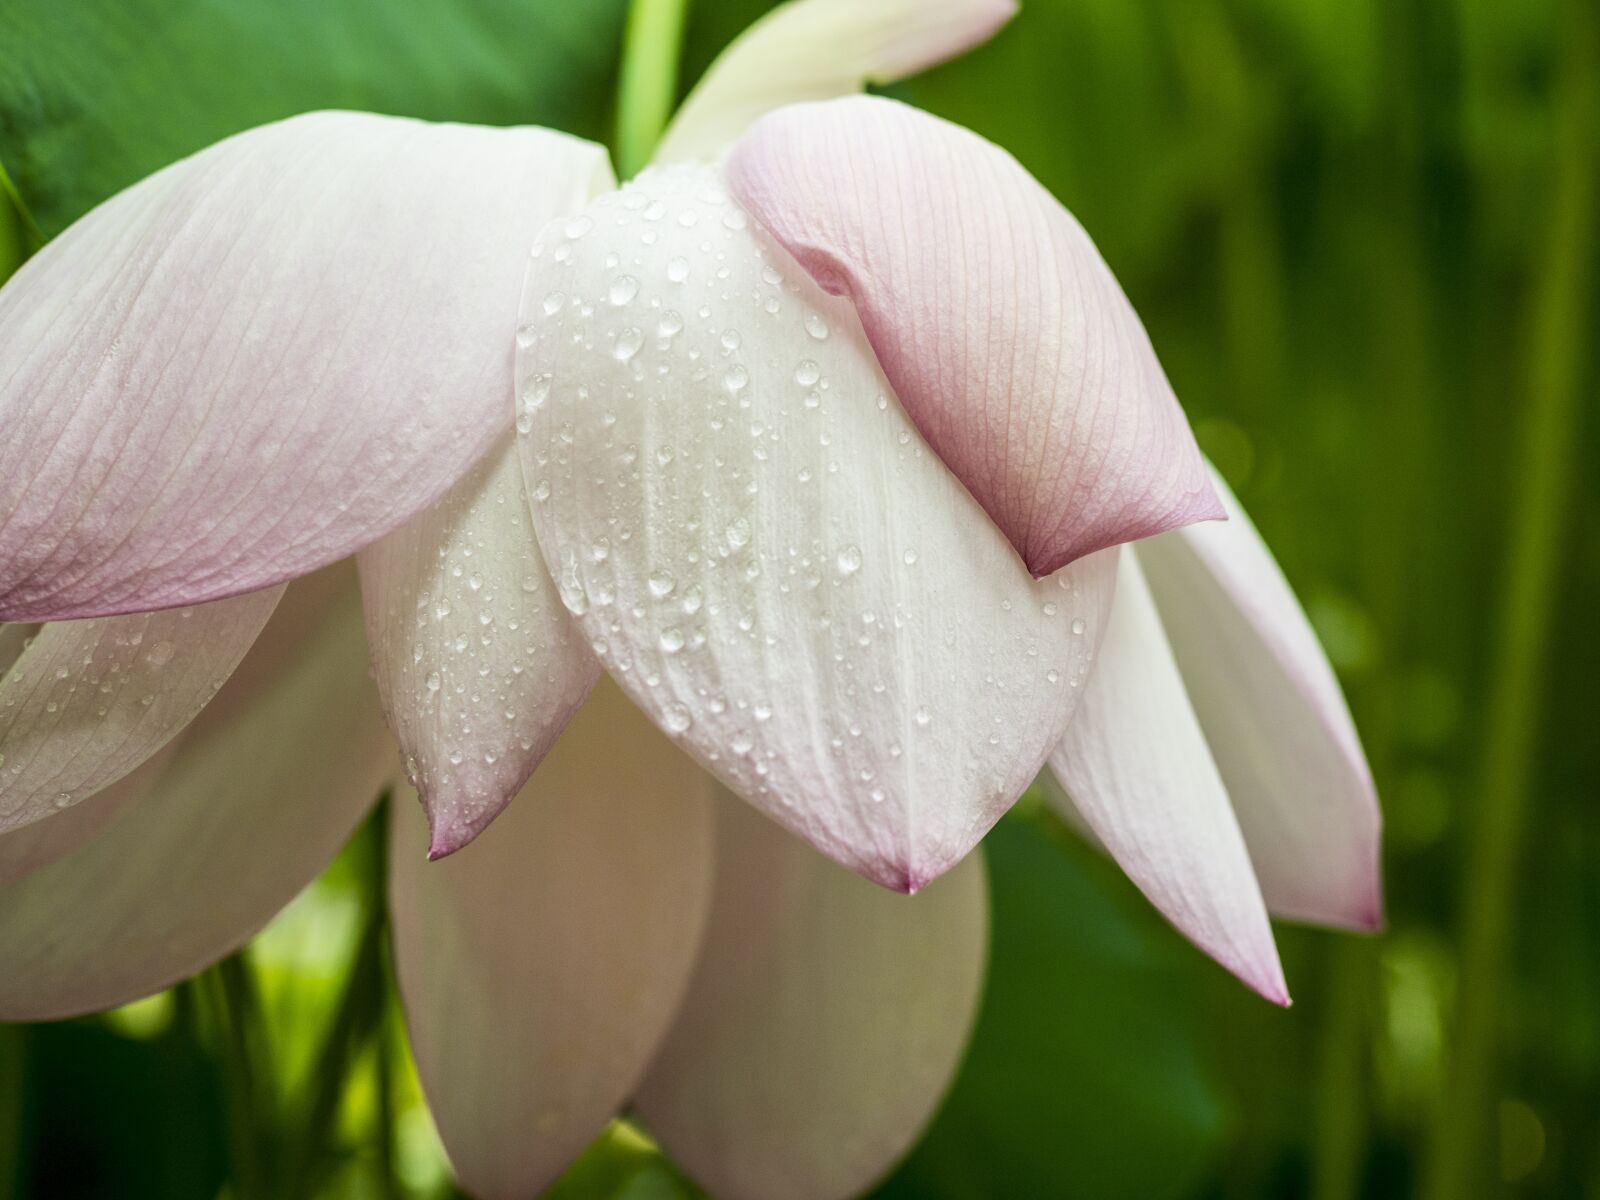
<point x="88" y="701"/>
<point x="541" y="965"/>
<point x="261" y="791"/>
<point x="763" y="551"/>
<point x="263" y="357"/>
<point x="1135" y="766"/>
<point x="999" y="324"/>
<point x="1275" y="718"/>
<point x="819" y="49"/>
<point x="825" y="1020"/>
<point x="478" y="664"/>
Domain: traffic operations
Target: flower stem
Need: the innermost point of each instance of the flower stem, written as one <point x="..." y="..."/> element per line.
<point x="13" y="1083"/>
<point x="1543" y="476"/>
<point x="648" y="85"/>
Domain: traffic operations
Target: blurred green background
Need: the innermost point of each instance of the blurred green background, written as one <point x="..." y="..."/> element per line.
<point x="1362" y="236"/>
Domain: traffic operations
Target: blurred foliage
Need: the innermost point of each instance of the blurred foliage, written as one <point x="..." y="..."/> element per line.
<point x="1335" y="218"/>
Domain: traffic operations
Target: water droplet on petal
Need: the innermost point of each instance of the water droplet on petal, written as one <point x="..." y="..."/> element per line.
<point x="623" y="289"/>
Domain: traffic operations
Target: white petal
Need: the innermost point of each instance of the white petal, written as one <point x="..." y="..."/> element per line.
<point x="1275" y="718"/>
<point x="763" y="550"/>
<point x="818" y="49"/>
<point x="262" y="790"/>
<point x="88" y="701"/>
<point x="478" y="664"/>
<point x="825" y="1020"/>
<point x="1135" y="766"/>
<point x="26" y="850"/>
<point x="541" y="965"/>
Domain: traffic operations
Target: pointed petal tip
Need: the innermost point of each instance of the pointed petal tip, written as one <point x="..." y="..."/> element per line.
<point x="450" y="831"/>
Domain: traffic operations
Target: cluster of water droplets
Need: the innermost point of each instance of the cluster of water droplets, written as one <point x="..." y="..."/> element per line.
<point x="749" y="528"/>
<point x="78" y="701"/>
<point x="481" y="666"/>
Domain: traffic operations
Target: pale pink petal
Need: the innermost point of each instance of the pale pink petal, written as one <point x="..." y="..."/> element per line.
<point x="1275" y="718"/>
<point x="262" y="789"/>
<point x="825" y="1020"/>
<point x="1135" y="766"/>
<point x="541" y="965"/>
<point x="263" y="357"/>
<point x="88" y="701"/>
<point x="478" y="664"/>
<point x="763" y="551"/>
<point x="1000" y="326"/>
<point x="819" y="49"/>
<point x="26" y="850"/>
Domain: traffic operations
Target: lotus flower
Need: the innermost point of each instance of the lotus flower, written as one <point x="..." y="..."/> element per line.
<point x="823" y="442"/>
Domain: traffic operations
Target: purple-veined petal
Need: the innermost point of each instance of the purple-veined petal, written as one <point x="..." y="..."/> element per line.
<point x="1135" y="766"/>
<point x="88" y="701"/>
<point x="541" y="965"/>
<point x="763" y="551"/>
<point x="999" y="324"/>
<point x="263" y="357"/>
<point x="819" y="49"/>
<point x="26" y="850"/>
<point x="261" y="791"/>
<point x="1275" y="718"/>
<point x="824" y="1022"/>
<point x="478" y="664"/>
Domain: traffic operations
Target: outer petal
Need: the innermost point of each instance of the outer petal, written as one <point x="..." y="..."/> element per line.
<point x="262" y="358"/>
<point x="478" y="664"/>
<point x="88" y="701"/>
<point x="26" y="850"/>
<point x="825" y="1020"/>
<point x="262" y="790"/>
<point x="819" y="49"/>
<point x="763" y="551"/>
<point x="994" y="316"/>
<point x="1275" y="718"/>
<point x="541" y="965"/>
<point x="1135" y="765"/>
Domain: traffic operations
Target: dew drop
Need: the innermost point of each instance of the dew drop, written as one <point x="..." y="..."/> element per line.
<point x="628" y="343"/>
<point x="923" y="717"/>
<point x="552" y="303"/>
<point x="816" y="326"/>
<point x="849" y="560"/>
<point x="677" y="269"/>
<point x="661" y="584"/>
<point x="1078" y="626"/>
<point x="807" y="373"/>
<point x="573" y="595"/>
<point x="677" y="718"/>
<point x="623" y="289"/>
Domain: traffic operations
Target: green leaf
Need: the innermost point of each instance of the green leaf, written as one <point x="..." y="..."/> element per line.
<point x="1085" y="1074"/>
<point x="96" y="94"/>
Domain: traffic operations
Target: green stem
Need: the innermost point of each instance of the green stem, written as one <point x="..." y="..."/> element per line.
<point x="648" y="86"/>
<point x="358" y="1018"/>
<point x="32" y="234"/>
<point x="1543" y="477"/>
<point x="1338" y="1155"/>
<point x="13" y="1082"/>
<point x="229" y="993"/>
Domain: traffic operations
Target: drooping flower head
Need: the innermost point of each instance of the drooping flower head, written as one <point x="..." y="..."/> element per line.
<point x="827" y="438"/>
